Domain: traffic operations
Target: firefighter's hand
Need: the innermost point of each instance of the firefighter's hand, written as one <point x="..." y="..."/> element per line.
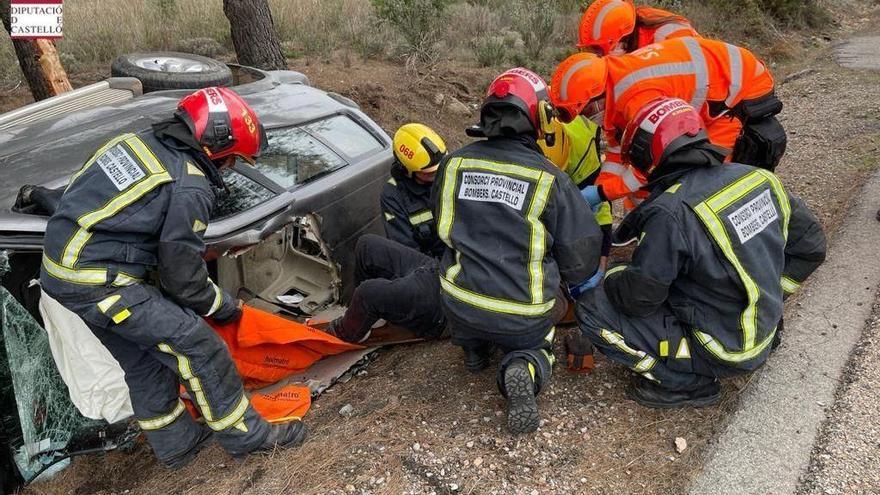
<point x="230" y="313"/>
<point x="576" y="291"/>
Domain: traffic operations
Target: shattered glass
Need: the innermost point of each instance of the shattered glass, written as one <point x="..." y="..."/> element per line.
<point x="47" y="419"/>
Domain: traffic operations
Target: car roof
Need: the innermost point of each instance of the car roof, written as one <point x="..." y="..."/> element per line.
<point x="48" y="152"/>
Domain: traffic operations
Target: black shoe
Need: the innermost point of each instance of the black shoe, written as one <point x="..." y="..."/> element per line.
<point x="181" y="460"/>
<point x="649" y="394"/>
<point x="282" y="436"/>
<point x="777" y="339"/>
<point x="476" y="359"/>
<point x="337" y="329"/>
<point x="522" y="405"/>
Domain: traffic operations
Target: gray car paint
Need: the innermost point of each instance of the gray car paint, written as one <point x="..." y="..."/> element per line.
<point x="346" y="200"/>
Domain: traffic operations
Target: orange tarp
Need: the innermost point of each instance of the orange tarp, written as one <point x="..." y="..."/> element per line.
<point x="267" y="348"/>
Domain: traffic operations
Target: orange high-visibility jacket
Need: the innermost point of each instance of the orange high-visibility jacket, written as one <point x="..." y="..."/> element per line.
<point x="697" y="70"/>
<point x="656" y="25"/>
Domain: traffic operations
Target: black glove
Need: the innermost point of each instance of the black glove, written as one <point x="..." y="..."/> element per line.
<point x="228" y="312"/>
<point x="579" y="351"/>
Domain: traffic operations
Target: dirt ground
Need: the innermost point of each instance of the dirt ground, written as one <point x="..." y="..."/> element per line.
<point x="423" y="424"/>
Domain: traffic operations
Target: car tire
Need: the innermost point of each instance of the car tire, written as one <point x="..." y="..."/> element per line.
<point x="171" y="70"/>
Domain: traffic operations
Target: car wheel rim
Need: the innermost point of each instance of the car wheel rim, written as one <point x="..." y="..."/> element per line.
<point x="170" y="64"/>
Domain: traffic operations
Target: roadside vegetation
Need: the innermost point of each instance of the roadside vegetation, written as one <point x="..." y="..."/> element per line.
<point x="419" y="33"/>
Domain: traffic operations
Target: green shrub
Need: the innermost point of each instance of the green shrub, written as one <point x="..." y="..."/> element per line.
<point x="490" y="51"/>
<point x="419" y="22"/>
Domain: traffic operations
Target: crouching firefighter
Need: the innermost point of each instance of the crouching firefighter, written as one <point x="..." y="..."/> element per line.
<point x="135" y="212"/>
<point x="396" y="278"/>
<point x="516" y="227"/>
<point x="406" y="198"/>
<point x="719" y="249"/>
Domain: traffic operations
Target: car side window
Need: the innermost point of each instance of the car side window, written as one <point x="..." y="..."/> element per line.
<point x="294" y="157"/>
<point x="346" y="135"/>
<point x="244" y="193"/>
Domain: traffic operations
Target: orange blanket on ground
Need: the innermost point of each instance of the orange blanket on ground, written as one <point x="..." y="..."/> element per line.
<point x="267" y="348"/>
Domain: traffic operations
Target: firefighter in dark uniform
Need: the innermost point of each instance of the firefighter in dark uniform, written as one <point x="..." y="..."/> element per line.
<point x="135" y="212"/>
<point x="719" y="249"/>
<point x="406" y="198"/>
<point x="397" y="277"/>
<point x="517" y="228"/>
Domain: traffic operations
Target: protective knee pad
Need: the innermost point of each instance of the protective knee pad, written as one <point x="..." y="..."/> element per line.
<point x="761" y="144"/>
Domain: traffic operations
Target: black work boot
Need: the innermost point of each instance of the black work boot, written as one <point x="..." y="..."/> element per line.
<point x="282" y="436"/>
<point x="649" y="394"/>
<point x="476" y="359"/>
<point x="522" y="404"/>
<point x="338" y="329"/>
<point x="184" y="458"/>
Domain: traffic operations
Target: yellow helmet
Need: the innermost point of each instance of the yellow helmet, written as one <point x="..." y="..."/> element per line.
<point x="558" y="151"/>
<point x="418" y="148"/>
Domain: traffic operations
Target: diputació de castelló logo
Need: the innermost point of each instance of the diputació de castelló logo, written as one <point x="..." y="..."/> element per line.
<point x="35" y="19"/>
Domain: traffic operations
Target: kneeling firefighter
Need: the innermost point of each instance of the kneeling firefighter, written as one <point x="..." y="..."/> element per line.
<point x="397" y="277"/>
<point x="406" y="198"/>
<point x="719" y="249"/>
<point x="516" y="227"/>
<point x="135" y="212"/>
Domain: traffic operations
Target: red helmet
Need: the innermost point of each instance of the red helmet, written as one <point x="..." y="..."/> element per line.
<point x="521" y="88"/>
<point x="659" y="129"/>
<point x="223" y="123"/>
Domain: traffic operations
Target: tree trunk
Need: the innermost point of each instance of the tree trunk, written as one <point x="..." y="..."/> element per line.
<point x="253" y="34"/>
<point x="39" y="62"/>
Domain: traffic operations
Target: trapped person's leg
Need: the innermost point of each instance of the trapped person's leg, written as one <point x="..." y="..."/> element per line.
<point x="378" y="257"/>
<point x="655" y="347"/>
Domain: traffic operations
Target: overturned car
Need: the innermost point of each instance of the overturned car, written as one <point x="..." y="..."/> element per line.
<point x="283" y="236"/>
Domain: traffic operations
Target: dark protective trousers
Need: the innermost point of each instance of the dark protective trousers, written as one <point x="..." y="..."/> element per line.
<point x="395" y="283"/>
<point x="536" y="348"/>
<point x="160" y="345"/>
<point x="657" y="346"/>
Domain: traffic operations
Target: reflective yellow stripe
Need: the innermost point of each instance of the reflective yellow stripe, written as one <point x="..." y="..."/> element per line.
<point x="193" y="170"/>
<point x="455" y="269"/>
<point x="195" y="385"/>
<point x="789" y="285"/>
<point x="664" y="348"/>
<point x="493" y="304"/>
<point x="392" y="181"/>
<point x="84" y="276"/>
<point x="735" y="191"/>
<point x="162" y="421"/>
<point x="285" y="419"/>
<point x="674" y="189"/>
<point x="551" y="358"/>
<point x="447" y="201"/>
<point x="723" y="354"/>
<point x="425" y="216"/>
<point x="538" y="243"/>
<point x="106" y="304"/>
<point x="616" y="340"/>
<point x="388" y="217"/>
<point x="218" y="300"/>
<point x="550" y="335"/>
<point x="614" y="270"/>
<point x="121" y="316"/>
<point x="145" y="154"/>
<point x="781" y="197"/>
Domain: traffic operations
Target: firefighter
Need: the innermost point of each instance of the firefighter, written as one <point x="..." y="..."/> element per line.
<point x="574" y="148"/>
<point x="135" y="212"/>
<point x="727" y="84"/>
<point x="615" y="27"/>
<point x="396" y="278"/>
<point x="516" y="228"/>
<point x="406" y="198"/>
<point x="719" y="249"/>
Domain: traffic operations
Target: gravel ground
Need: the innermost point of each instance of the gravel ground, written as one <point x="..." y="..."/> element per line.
<point x="846" y="459"/>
